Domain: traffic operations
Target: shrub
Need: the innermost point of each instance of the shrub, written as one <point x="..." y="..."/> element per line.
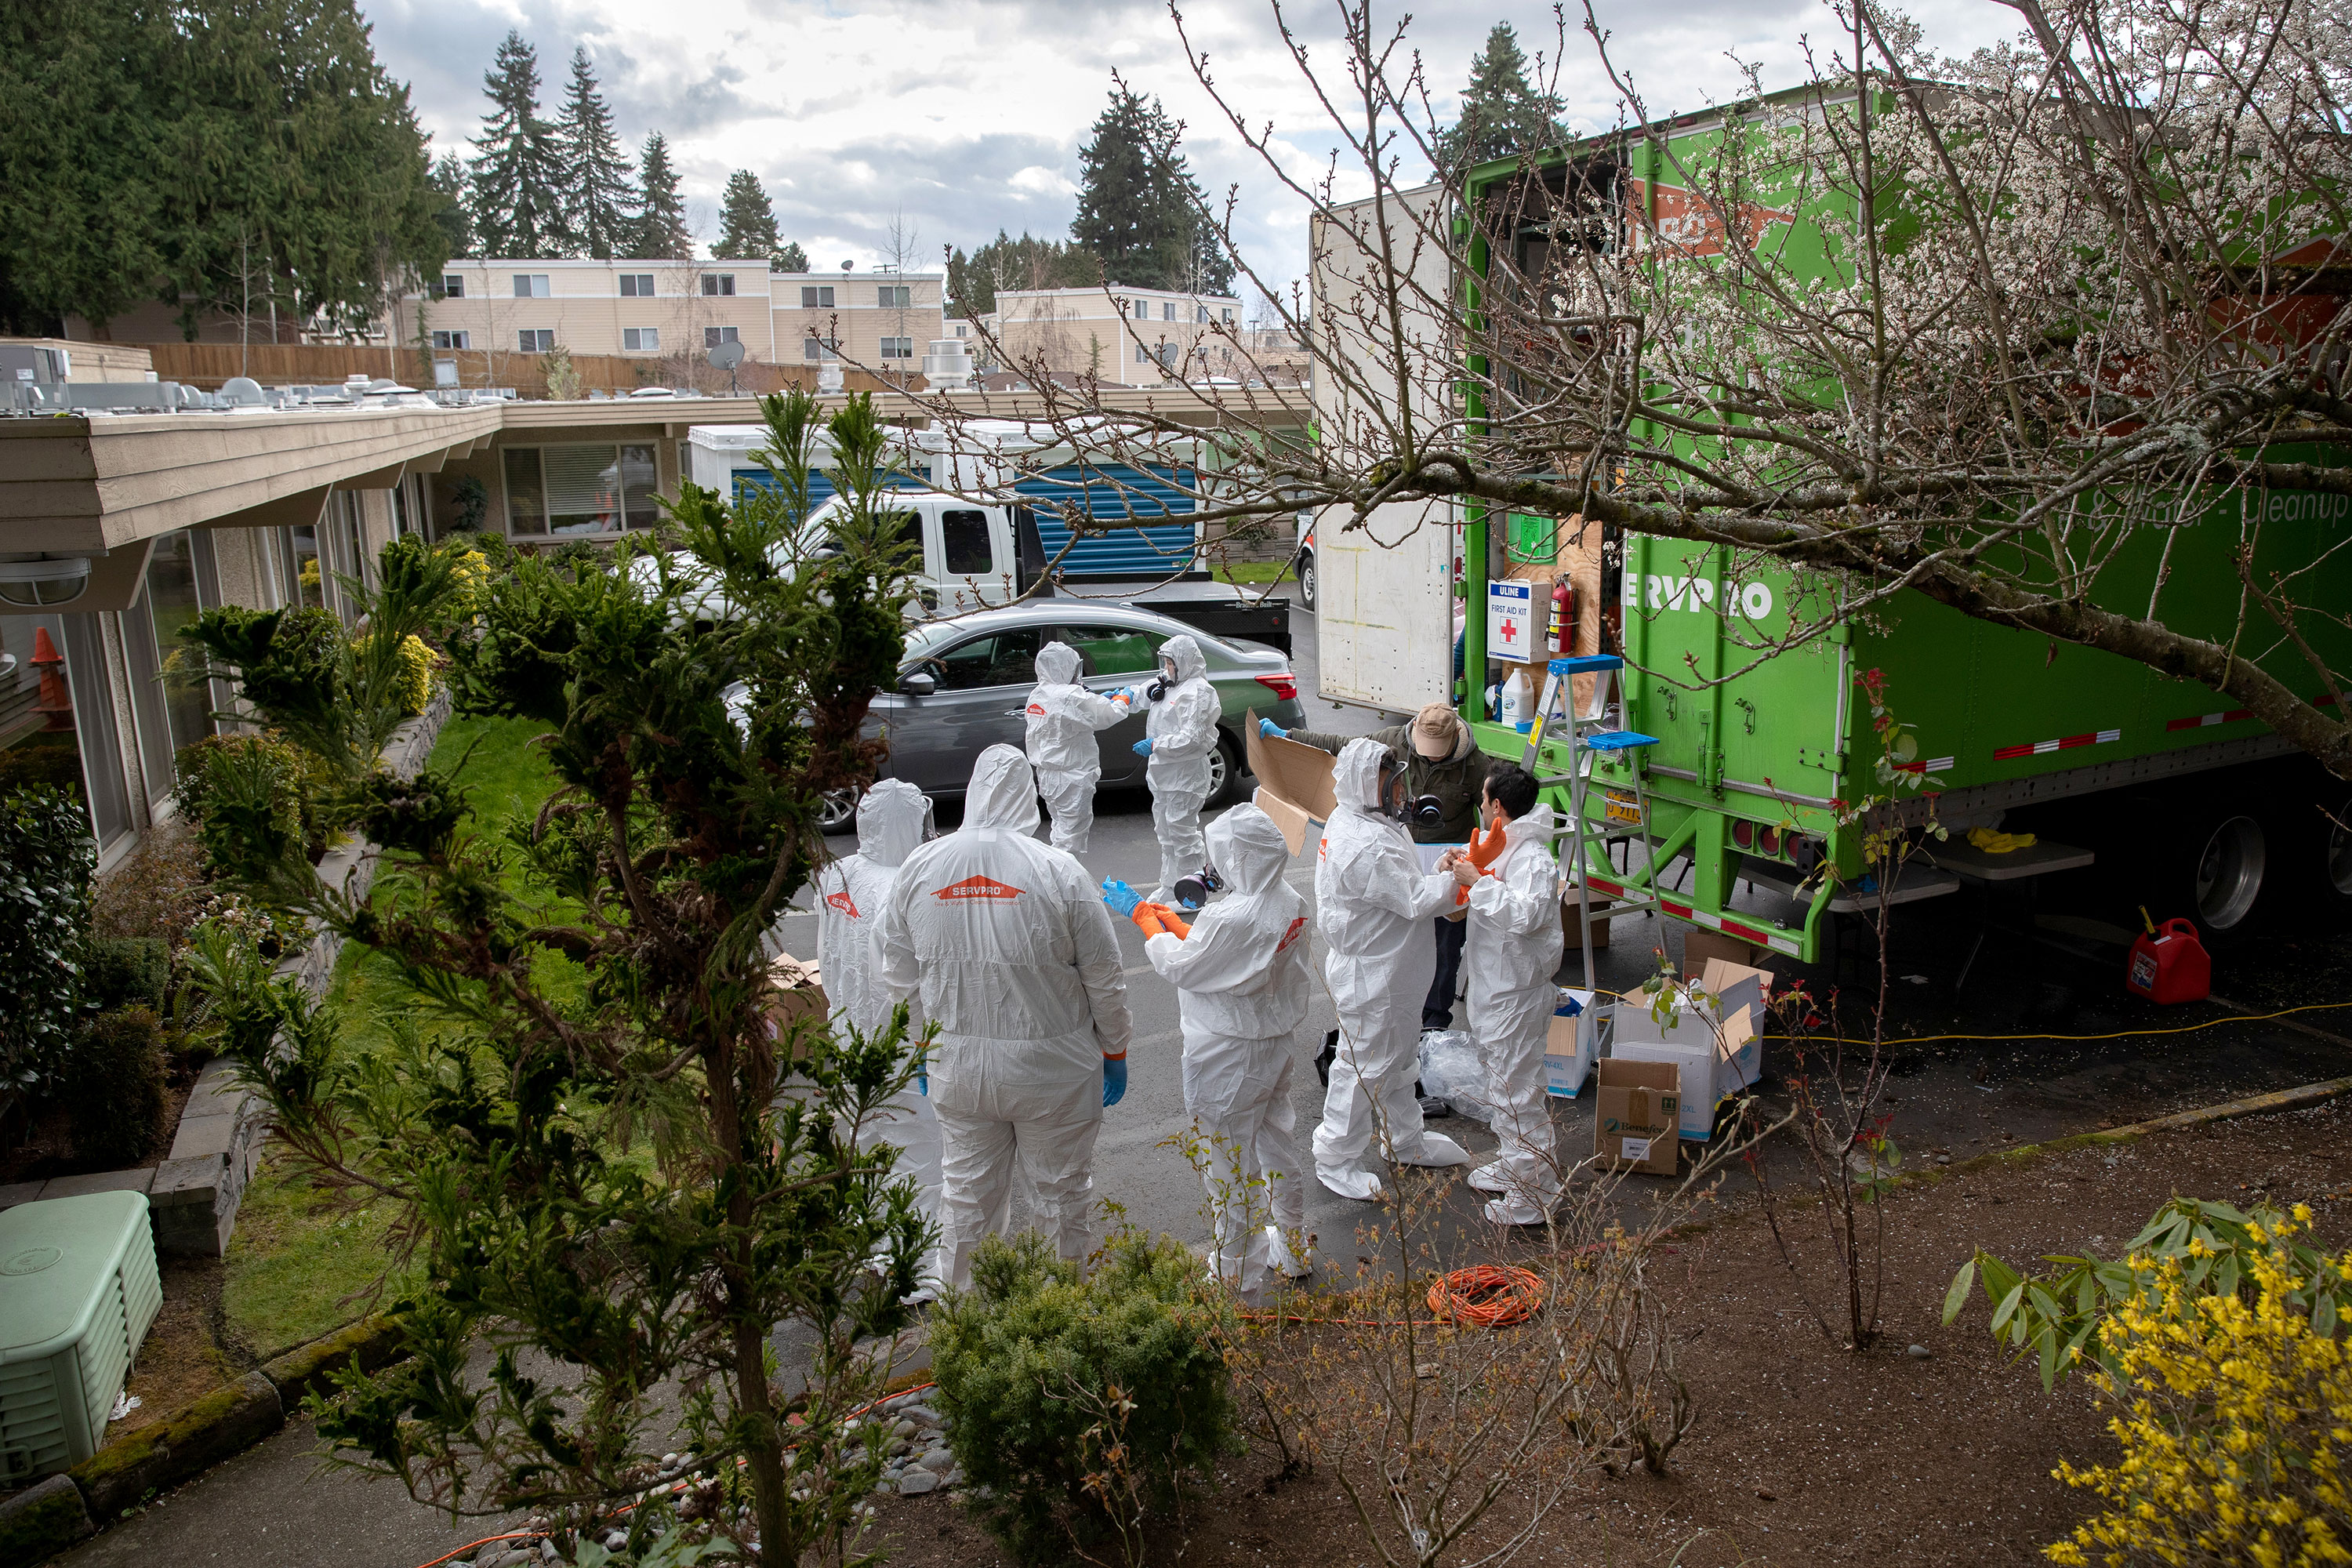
<point x="417" y="663"/>
<point x="44" y="758"/>
<point x="245" y="793"/>
<point x="115" y="1089"/>
<point x="2236" y="1419"/>
<point x="46" y="857"/>
<point x="1077" y="1400"/>
<point x="158" y="889"/>
<point x="126" y="971"/>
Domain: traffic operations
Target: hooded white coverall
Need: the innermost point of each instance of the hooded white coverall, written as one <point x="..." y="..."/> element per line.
<point x="1182" y="728"/>
<point x="1371" y="897"/>
<point x="1061" y="718"/>
<point x="1241" y="981"/>
<point x="1008" y="945"/>
<point x="850" y="895"/>
<point x="1512" y="950"/>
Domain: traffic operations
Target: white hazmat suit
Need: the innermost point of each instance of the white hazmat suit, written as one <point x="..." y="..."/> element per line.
<point x="1182" y="728"/>
<point x="850" y="895"/>
<point x="1371" y="899"/>
<point x="1512" y="950"/>
<point x="1008" y="945"/>
<point x="1242" y="979"/>
<point x="1060" y="718"/>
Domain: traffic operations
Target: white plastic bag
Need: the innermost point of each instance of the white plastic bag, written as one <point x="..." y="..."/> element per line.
<point x="1451" y="1071"/>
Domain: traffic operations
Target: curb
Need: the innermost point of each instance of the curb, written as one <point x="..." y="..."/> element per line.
<point x="46" y="1519"/>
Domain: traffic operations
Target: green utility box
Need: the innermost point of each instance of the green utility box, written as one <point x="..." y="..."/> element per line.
<point x="79" y="1289"/>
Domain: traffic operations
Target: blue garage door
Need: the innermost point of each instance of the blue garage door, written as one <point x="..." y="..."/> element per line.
<point x="1113" y="492"/>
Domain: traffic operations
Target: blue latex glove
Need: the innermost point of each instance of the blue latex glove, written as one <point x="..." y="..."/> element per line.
<point x="1143" y="748"/>
<point x="1113" y="1079"/>
<point x="1121" y="899"/>
<point x="1272" y="730"/>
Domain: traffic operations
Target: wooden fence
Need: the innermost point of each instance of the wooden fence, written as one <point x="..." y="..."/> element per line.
<point x="207" y="365"/>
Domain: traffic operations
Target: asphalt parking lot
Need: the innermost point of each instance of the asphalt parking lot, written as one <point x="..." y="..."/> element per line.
<point x="1979" y="1070"/>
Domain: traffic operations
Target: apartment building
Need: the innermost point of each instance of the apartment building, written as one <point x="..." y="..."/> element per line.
<point x="1122" y="336"/>
<point x="654" y="310"/>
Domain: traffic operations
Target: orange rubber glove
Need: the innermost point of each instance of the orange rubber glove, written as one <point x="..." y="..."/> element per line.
<point x="1160" y="918"/>
<point x="1487" y="848"/>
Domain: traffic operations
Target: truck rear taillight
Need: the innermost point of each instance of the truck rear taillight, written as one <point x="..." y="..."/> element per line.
<point x="1743" y="833"/>
<point x="1285" y="686"/>
<point x="1768" y="841"/>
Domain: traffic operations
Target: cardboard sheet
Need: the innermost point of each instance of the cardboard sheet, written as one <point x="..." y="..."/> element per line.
<point x="1294" y="783"/>
<point x="798" y="995"/>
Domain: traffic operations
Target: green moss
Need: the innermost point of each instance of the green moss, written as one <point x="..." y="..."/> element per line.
<point x="42" y="1523"/>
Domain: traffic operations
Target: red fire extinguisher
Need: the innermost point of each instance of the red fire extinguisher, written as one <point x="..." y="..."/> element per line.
<point x="1563" y="618"/>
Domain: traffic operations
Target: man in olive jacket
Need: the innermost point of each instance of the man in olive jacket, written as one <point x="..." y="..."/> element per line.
<point x="1441" y="760"/>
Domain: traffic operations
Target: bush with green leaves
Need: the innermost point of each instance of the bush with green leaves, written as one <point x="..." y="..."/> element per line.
<point x="245" y="794"/>
<point x="579" y="1110"/>
<point x="1082" y="1401"/>
<point x="128" y="972"/>
<point x="114" y="1088"/>
<point x="47" y="859"/>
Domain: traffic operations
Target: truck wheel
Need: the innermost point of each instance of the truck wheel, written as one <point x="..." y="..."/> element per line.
<point x="2315" y="848"/>
<point x="2215" y="874"/>
<point x="1307" y="580"/>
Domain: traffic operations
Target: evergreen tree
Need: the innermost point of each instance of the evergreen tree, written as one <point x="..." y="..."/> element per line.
<point x="747" y="224"/>
<point x="173" y="151"/>
<point x="657" y="231"/>
<point x="1139" y="209"/>
<point x="518" y="174"/>
<point x="791" y="259"/>
<point x="453" y="214"/>
<point x="598" y="171"/>
<point x="1004" y="262"/>
<point x="1502" y="114"/>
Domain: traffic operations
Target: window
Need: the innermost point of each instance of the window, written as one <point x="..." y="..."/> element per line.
<point x="819" y="348"/>
<point x="636" y="285"/>
<point x="592" y="488"/>
<point x="1113" y="650"/>
<point x="453" y="284"/>
<point x="456" y="340"/>
<point x="1143" y="353"/>
<point x="963" y="538"/>
<point x="171" y="709"/>
<point x="898" y="347"/>
<point x="530" y="286"/>
<point x="1143" y="309"/>
<point x="719" y="285"/>
<point x="1167" y="310"/>
<point x="641" y="340"/>
<point x="1226" y="314"/>
<point x="535" y="339"/>
<point x="57" y="714"/>
<point x="895" y="295"/>
<point x="305" y="586"/>
<point x="1200" y="315"/>
<point x="960" y="331"/>
<point x="713" y="336"/>
<point x="817" y="299"/>
<point x="1006" y="658"/>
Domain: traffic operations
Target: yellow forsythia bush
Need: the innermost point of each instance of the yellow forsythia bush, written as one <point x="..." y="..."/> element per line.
<point x="417" y="661"/>
<point x="2236" y="1420"/>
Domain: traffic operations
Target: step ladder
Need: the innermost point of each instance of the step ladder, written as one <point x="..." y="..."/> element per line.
<point x="1591" y="736"/>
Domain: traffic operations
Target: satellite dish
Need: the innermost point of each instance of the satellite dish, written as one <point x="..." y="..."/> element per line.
<point x="727" y="356"/>
<point x="849" y="265"/>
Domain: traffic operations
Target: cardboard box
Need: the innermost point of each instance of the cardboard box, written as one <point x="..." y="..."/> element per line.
<point x="1600" y="927"/>
<point x="1294" y="783"/>
<point x="1699" y="944"/>
<point x="1715" y="1032"/>
<point x="798" y="994"/>
<point x="1637" y="1109"/>
<point x="1572" y="1048"/>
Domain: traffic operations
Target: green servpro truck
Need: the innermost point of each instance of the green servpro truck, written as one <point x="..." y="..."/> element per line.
<point x="1759" y="762"/>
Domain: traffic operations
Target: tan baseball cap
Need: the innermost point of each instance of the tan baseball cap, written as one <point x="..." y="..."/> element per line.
<point x="1436" y="730"/>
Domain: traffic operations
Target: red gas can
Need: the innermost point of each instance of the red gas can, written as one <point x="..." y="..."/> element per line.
<point x="2169" y="965"/>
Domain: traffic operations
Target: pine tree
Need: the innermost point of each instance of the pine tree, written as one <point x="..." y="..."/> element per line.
<point x="1139" y="209"/>
<point x="657" y="230"/>
<point x="519" y="173"/>
<point x="1004" y="262"/>
<point x="1502" y="114"/>
<point x="747" y="224"/>
<point x="598" y="172"/>
<point x="454" y="217"/>
<point x="791" y="259"/>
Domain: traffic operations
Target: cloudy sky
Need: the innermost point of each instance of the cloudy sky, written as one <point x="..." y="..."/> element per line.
<point x="962" y="117"/>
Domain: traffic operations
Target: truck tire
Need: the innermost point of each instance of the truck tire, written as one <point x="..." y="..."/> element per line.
<point x="1307" y="580"/>
<point x="2314" y="846"/>
<point x="2216" y="868"/>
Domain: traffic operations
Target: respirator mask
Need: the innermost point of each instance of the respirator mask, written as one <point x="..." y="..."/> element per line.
<point x="1194" y="890"/>
<point x="1167" y="679"/>
<point x="1399" y="804"/>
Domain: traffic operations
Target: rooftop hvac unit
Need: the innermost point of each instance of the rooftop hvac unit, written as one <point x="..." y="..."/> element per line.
<point x="78" y="1291"/>
<point x="947" y="365"/>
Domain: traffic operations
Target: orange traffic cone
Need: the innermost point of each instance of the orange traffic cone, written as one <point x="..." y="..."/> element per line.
<point x="54" y="701"/>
